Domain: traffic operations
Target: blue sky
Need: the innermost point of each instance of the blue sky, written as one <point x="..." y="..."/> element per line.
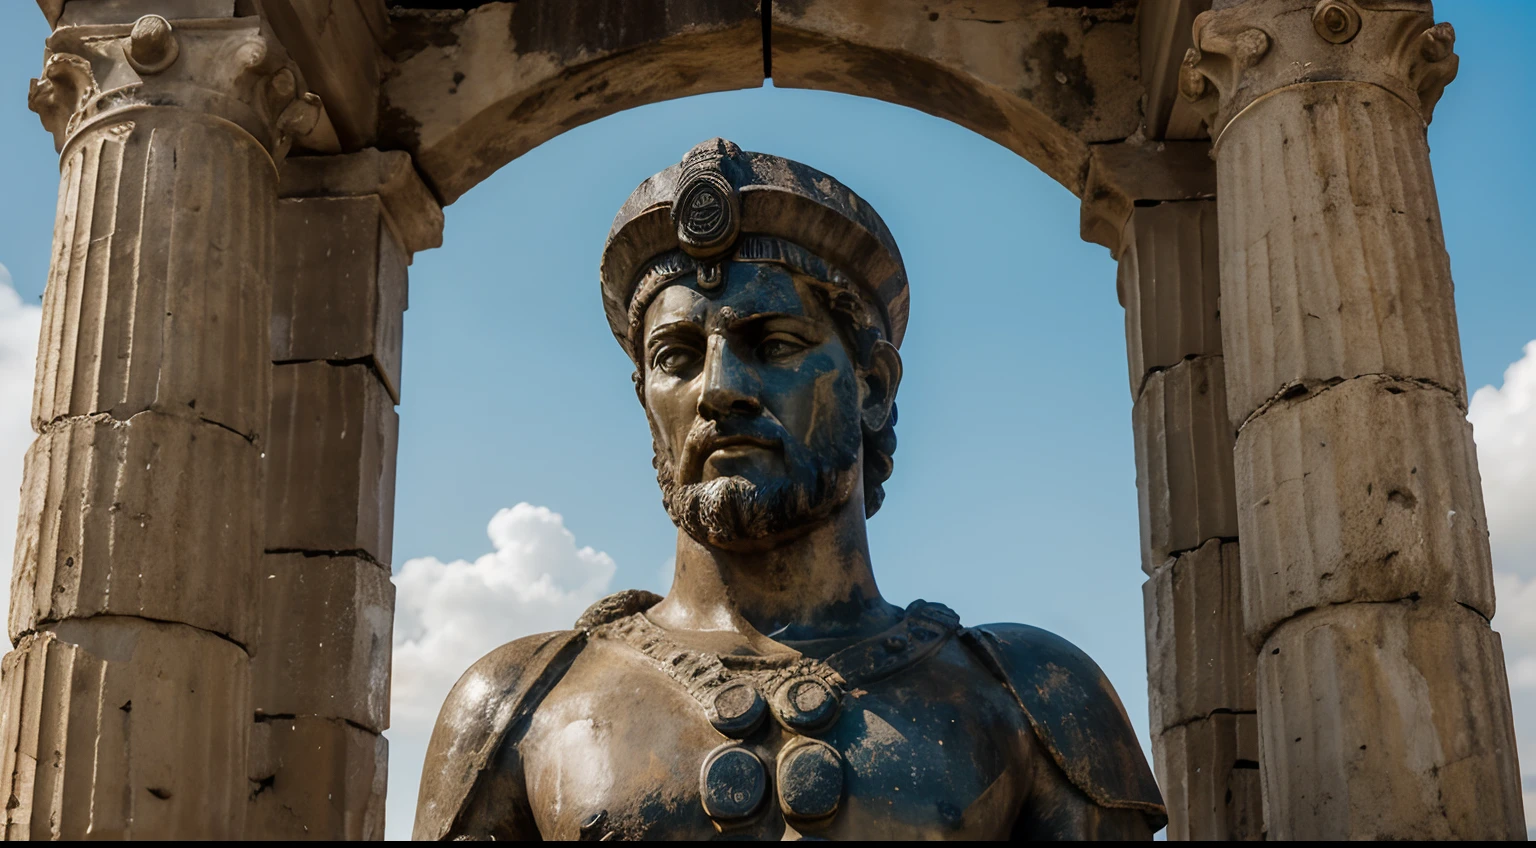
<point x="1013" y="496"/>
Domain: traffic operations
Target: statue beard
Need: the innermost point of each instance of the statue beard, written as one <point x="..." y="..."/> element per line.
<point x="729" y="512"/>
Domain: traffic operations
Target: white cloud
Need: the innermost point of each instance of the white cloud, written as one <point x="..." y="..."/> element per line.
<point x="447" y="615"/>
<point x="1504" y="421"/>
<point x="1504" y="424"/>
<point x="19" y="327"/>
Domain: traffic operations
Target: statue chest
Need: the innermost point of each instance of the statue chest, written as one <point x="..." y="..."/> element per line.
<point x="620" y="750"/>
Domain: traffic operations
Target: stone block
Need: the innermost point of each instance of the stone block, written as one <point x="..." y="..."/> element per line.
<point x="121" y="728"/>
<point x="1170" y="287"/>
<point x="325" y="637"/>
<point x="413" y="213"/>
<point x="339" y="291"/>
<point x="1184" y="475"/>
<point x="1209" y="773"/>
<point x="1365" y="491"/>
<point x="1344" y="274"/>
<point x="331" y="461"/>
<point x="1041" y="81"/>
<point x="1198" y="662"/>
<point x="1123" y="175"/>
<point x="157" y="516"/>
<point x="1388" y="721"/>
<point x="158" y="295"/>
<point x="315" y="778"/>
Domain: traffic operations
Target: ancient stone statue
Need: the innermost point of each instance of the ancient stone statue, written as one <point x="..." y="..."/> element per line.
<point x="774" y="693"/>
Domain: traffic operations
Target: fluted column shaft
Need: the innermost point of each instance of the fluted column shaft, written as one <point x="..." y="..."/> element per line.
<point x="1383" y="705"/>
<point x="125" y="708"/>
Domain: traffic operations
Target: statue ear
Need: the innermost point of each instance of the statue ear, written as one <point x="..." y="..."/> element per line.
<point x="882" y="377"/>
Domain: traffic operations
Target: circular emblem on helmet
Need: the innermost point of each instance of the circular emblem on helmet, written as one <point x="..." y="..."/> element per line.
<point x="706" y="214"/>
<point x="707" y="209"/>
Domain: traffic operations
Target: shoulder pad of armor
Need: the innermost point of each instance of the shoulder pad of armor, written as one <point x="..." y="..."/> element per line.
<point x="1075" y="713"/>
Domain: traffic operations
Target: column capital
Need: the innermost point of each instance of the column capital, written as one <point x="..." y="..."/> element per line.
<point x="1248" y="49"/>
<point x="232" y="69"/>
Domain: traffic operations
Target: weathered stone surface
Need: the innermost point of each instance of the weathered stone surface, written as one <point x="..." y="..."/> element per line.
<point x="1388" y="721"/>
<point x="1365" y="491"/>
<point x="1198" y="662"/>
<point x="1343" y="273"/>
<point x="338" y="44"/>
<point x="1170" y="287"/>
<point x="1039" y="80"/>
<point x="87" y="12"/>
<point x="1209" y="773"/>
<point x="1183" y="443"/>
<point x="1165" y="27"/>
<point x="157" y="516"/>
<point x="120" y="728"/>
<point x="414" y="215"/>
<point x="339" y="291"/>
<point x="331" y="461"/>
<point x="317" y="779"/>
<point x="1124" y="174"/>
<point x="473" y="90"/>
<point x="325" y="639"/>
<point x="51" y="9"/>
<point x="1246" y="50"/>
<point x="140" y="313"/>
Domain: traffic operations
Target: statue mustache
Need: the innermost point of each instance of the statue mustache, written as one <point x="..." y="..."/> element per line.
<point x="707" y="434"/>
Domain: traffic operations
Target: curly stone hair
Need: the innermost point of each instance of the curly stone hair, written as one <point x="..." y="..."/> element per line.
<point x="860" y="336"/>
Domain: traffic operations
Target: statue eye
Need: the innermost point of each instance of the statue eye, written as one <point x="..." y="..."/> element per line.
<point x="674" y="358"/>
<point x="779" y="346"/>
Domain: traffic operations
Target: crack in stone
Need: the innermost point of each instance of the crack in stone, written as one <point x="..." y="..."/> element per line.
<point x="1300" y="391"/>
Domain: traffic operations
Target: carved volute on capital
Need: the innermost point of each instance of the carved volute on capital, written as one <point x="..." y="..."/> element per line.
<point x="1246" y="50"/>
<point x="232" y="69"/>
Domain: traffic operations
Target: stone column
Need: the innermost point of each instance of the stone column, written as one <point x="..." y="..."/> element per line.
<point x="1200" y="670"/>
<point x="346" y="229"/>
<point x="124" y="709"/>
<point x="1383" y="706"/>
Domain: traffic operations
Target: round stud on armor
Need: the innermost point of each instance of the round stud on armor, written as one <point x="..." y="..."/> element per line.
<point x="737" y="709"/>
<point x="732" y="783"/>
<point x="810" y="780"/>
<point x="805" y="704"/>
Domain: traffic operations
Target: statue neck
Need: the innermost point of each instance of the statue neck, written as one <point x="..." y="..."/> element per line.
<point x="817" y="586"/>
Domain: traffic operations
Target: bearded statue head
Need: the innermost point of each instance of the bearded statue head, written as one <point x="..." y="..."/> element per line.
<point x="762" y="303"/>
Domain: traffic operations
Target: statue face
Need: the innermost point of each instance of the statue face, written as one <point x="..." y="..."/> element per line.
<point x="755" y="406"/>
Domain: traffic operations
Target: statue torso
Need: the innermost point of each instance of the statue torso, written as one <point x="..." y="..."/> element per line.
<point x="930" y="746"/>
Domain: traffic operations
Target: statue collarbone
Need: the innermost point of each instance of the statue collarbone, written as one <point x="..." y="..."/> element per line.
<point x="774" y="692"/>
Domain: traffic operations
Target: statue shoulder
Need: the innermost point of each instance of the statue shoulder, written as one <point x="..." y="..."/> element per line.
<point x="1075" y="713"/>
<point x="489" y="702"/>
<point x="468" y="786"/>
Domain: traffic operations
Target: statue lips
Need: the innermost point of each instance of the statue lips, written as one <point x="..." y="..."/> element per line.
<point x="707" y="442"/>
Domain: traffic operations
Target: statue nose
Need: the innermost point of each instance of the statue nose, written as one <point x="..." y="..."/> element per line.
<point x="730" y="386"/>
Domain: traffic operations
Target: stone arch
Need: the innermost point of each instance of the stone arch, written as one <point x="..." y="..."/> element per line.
<point x="473" y="88"/>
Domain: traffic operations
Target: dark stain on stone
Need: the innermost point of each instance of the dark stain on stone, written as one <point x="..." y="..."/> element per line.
<point x="411" y="32"/>
<point x="898" y="78"/>
<point x="1062" y="89"/>
<point x="568" y="29"/>
<point x="595" y="88"/>
<point x="398" y="129"/>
